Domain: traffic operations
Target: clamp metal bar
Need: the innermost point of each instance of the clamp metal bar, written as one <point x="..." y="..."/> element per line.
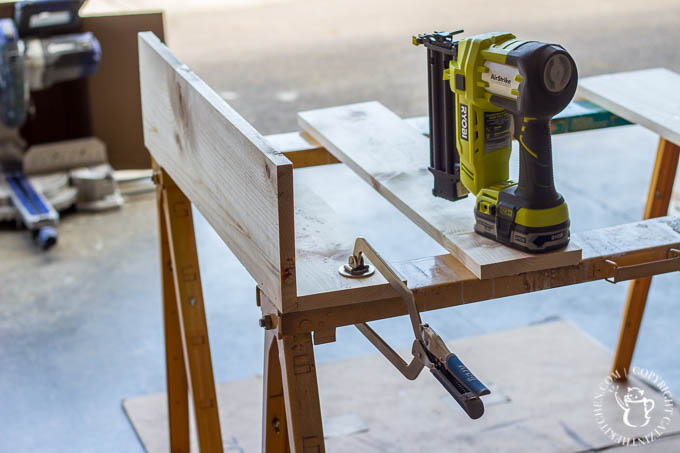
<point x="409" y="370"/>
<point x="429" y="350"/>
<point x="361" y="246"/>
<point x="639" y="270"/>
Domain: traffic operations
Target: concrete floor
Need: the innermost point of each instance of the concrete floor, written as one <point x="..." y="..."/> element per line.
<point x="80" y="327"/>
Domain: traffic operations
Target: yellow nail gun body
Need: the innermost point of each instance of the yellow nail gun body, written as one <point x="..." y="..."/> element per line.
<point x="482" y="89"/>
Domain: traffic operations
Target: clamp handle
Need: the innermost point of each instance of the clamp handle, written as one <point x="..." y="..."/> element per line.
<point x="458" y="369"/>
<point x="645" y="269"/>
<point x="469" y="402"/>
<point x="428" y="348"/>
<point x="454" y="376"/>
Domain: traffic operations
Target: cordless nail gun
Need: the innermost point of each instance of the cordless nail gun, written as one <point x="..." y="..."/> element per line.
<point x="38" y="49"/>
<point x="483" y="90"/>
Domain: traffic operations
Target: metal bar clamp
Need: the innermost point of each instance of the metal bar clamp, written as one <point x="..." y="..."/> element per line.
<point x="429" y="350"/>
<point x="639" y="270"/>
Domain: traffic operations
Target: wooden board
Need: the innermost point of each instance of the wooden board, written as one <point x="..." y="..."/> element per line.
<point x="324" y="237"/>
<point x="650" y="97"/>
<point x="579" y="115"/>
<point x="442" y="281"/>
<point x="228" y="171"/>
<point x="393" y="156"/>
<point x="301" y="149"/>
<point x="113" y="92"/>
<point x="323" y="242"/>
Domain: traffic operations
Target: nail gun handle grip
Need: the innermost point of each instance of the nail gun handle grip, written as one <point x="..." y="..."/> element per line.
<point x="535" y="166"/>
<point x="465" y="376"/>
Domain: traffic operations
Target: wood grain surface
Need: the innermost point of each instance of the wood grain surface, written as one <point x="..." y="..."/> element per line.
<point x="225" y="167"/>
<point x="650" y="97"/>
<point x="392" y="156"/>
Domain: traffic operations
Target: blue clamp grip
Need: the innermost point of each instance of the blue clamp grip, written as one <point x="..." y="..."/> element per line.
<point x="465" y="376"/>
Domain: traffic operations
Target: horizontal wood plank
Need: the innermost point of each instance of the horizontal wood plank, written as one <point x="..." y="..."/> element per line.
<point x="392" y="156"/>
<point x="650" y="97"/>
<point x="301" y="149"/>
<point x="442" y="281"/>
<point x="323" y="242"/>
<point x="241" y="185"/>
<point x="579" y="115"/>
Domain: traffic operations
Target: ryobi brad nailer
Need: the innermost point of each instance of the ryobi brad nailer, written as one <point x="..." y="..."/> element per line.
<point x="479" y="87"/>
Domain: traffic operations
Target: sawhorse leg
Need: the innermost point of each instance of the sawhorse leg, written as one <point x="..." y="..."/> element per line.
<point x="177" y="387"/>
<point x="291" y="415"/>
<point x="657" y="206"/>
<point x="188" y="361"/>
<point x="274" y="426"/>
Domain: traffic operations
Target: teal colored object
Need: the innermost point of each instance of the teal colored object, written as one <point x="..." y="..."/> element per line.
<point x="583" y="116"/>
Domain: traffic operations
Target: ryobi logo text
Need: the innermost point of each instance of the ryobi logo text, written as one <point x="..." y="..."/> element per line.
<point x="464" y="122"/>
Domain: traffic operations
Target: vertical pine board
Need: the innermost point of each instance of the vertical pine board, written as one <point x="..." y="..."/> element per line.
<point x="225" y="167"/>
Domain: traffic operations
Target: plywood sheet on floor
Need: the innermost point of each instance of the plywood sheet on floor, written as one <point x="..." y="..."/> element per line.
<point x="544" y="380"/>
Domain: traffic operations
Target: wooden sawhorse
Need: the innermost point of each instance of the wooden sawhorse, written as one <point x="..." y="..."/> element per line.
<point x="658" y="199"/>
<point x="187" y="348"/>
<point x="293" y="243"/>
<point x="289" y="370"/>
<point x="648" y="98"/>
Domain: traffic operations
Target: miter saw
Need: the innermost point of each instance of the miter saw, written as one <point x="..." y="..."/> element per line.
<point x="39" y="47"/>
